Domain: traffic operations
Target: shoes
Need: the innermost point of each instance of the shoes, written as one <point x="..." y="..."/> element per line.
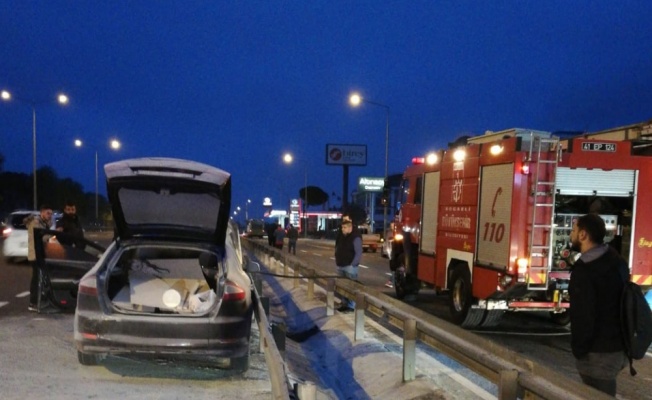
<point x="344" y="309"/>
<point x="389" y="284"/>
<point x="32" y="307"/>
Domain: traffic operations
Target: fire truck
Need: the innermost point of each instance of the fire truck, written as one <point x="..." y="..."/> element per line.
<point x="489" y="219"/>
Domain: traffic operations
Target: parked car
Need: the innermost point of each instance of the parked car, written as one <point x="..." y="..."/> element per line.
<point x="14" y="245"/>
<point x="174" y="280"/>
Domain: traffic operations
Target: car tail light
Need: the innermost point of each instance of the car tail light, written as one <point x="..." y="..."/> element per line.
<point x="6" y="232"/>
<point x="88" y="285"/>
<point x="233" y="292"/>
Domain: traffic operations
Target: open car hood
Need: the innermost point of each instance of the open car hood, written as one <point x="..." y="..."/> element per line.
<point x="169" y="198"/>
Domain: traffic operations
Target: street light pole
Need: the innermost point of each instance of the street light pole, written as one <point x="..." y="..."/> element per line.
<point x="97" y="189"/>
<point x="63" y="100"/>
<point x="355" y="99"/>
<point x="288" y="159"/>
<point x="34" y="154"/>
<point x="115" y="145"/>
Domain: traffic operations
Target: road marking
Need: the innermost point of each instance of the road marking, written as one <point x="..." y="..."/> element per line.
<point x="362" y="266"/>
<point x="22" y="294"/>
<point x="388" y="273"/>
<point x="3" y="303"/>
<point x="303" y="251"/>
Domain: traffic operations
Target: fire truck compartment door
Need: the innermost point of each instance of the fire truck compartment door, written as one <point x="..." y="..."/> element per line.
<point x="430" y="211"/>
<point x="586" y="182"/>
<point x="495" y="222"/>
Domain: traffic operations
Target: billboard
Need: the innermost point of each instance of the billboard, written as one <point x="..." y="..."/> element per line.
<point x="369" y="184"/>
<point x="346" y="154"/>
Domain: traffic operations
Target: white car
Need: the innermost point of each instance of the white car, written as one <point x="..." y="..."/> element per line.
<point x="15" y="235"/>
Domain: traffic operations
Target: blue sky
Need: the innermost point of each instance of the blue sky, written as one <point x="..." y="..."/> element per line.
<point x="235" y="84"/>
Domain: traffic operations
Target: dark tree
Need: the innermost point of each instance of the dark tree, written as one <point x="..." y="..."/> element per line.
<point x="316" y="195"/>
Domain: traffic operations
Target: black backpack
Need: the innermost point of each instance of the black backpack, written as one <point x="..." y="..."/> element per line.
<point x="636" y="323"/>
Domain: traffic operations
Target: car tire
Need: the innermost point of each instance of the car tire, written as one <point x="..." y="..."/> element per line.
<point x="88" y="359"/>
<point x="240" y="364"/>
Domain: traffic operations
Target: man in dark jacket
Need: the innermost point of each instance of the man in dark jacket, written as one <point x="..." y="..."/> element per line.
<point x="595" y="288"/>
<point x="71" y="226"/>
<point x="348" y="252"/>
<point x="293" y="236"/>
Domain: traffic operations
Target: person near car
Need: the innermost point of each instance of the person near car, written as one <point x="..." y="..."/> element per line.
<point x="595" y="288"/>
<point x="70" y="224"/>
<point x="279" y="236"/>
<point x="270" y="229"/>
<point x="40" y="221"/>
<point x="348" y="252"/>
<point x="293" y="237"/>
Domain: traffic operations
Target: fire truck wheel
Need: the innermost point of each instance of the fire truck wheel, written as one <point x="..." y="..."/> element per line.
<point x="460" y="294"/>
<point x="400" y="282"/>
<point x="561" y="319"/>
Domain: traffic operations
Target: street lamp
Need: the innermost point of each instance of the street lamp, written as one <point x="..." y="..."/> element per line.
<point x="61" y="99"/>
<point x="288" y="159"/>
<point x="113" y="144"/>
<point x="247" y="210"/>
<point x="356" y="99"/>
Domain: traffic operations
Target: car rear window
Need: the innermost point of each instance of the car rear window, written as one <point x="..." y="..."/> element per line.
<point x="17" y="221"/>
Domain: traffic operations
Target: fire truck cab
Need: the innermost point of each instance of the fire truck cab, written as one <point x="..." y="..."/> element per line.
<point x="489" y="220"/>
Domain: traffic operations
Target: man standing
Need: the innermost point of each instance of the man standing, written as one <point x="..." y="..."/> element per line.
<point x="71" y="226"/>
<point x="348" y="251"/>
<point x="41" y="221"/>
<point x="279" y="235"/>
<point x="595" y="289"/>
<point x="293" y="236"/>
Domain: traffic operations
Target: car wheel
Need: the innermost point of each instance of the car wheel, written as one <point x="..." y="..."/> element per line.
<point x="88" y="359"/>
<point x="240" y="364"/>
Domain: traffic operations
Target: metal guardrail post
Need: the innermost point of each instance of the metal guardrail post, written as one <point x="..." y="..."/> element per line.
<point x="296" y="278"/>
<point x="508" y="385"/>
<point x="409" y="349"/>
<point x="311" y="284"/>
<point x="330" y="297"/>
<point x="306" y="391"/>
<point x="360" y="307"/>
<point x="278" y="332"/>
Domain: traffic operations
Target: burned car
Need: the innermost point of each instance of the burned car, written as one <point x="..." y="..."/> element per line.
<point x="174" y="279"/>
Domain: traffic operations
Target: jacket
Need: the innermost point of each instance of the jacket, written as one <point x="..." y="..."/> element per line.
<point x="33" y="222"/>
<point x="596" y="285"/>
<point x="348" y="249"/>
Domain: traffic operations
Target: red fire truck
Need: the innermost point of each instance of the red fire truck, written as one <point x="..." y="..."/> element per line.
<point x="488" y="220"/>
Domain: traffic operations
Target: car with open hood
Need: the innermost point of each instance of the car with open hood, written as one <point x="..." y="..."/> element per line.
<point x="174" y="280"/>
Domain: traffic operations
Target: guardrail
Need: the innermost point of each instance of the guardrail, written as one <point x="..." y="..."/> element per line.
<point x="515" y="376"/>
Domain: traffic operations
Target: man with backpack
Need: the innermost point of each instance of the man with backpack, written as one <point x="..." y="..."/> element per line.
<point x="596" y="287"/>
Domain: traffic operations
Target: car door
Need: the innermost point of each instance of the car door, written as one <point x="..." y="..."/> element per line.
<point x="62" y="266"/>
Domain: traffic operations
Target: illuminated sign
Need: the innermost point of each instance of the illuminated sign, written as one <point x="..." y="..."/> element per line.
<point x="346" y="154"/>
<point x="368" y="184"/>
<point x="267" y="202"/>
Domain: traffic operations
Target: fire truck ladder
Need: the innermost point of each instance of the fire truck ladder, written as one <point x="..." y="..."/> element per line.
<point x="543" y="192"/>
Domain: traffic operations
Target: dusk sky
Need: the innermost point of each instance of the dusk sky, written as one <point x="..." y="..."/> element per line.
<point x="235" y="84"/>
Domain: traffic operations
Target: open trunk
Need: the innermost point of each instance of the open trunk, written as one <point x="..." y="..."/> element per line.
<point x="165" y="280"/>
